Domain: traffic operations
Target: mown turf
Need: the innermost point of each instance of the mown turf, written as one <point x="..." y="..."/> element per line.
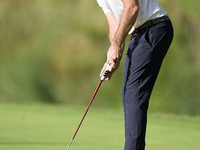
<point x="45" y="127"/>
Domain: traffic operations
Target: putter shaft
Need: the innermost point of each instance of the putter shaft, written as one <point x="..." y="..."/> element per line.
<point x="85" y="112"/>
<point x="101" y="80"/>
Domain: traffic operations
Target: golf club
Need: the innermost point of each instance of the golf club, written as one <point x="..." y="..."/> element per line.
<point x="101" y="80"/>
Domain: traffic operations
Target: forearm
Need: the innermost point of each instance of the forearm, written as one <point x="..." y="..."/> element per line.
<point x="112" y="34"/>
<point x="128" y="19"/>
<point x="113" y="26"/>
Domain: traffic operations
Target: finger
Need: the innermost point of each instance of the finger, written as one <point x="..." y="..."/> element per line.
<point x="108" y="76"/>
<point x="103" y="69"/>
<point x="114" y="66"/>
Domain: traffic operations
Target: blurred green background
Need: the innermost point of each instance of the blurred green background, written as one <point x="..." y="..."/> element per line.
<point x="52" y="51"/>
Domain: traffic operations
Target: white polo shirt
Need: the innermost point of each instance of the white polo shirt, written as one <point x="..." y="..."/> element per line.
<point x="148" y="9"/>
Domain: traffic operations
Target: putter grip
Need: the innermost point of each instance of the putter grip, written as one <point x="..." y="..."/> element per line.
<point x="105" y="72"/>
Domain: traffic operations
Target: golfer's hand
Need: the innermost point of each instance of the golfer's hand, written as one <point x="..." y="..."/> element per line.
<point x="108" y="75"/>
<point x="114" y="56"/>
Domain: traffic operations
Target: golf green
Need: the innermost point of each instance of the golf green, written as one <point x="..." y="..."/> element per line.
<point x="51" y="127"/>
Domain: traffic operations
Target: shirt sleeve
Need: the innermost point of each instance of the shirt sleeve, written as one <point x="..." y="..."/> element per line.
<point x="104" y="6"/>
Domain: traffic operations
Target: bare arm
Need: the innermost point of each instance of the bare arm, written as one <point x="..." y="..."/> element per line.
<point x="128" y="19"/>
<point x="113" y="26"/>
<point x="119" y="34"/>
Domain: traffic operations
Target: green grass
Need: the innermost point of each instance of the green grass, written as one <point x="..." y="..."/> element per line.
<point x="48" y="127"/>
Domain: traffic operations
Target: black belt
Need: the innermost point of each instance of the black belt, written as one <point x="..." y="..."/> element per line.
<point x="150" y="23"/>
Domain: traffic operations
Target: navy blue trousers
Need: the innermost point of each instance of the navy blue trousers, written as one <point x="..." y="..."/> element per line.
<point x="144" y="57"/>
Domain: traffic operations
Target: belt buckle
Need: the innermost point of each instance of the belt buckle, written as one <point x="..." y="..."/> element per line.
<point x="136" y="31"/>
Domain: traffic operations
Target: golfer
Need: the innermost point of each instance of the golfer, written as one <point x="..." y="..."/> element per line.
<point x="152" y="34"/>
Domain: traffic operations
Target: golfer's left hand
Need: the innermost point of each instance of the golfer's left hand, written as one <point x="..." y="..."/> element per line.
<point x="114" y="56"/>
